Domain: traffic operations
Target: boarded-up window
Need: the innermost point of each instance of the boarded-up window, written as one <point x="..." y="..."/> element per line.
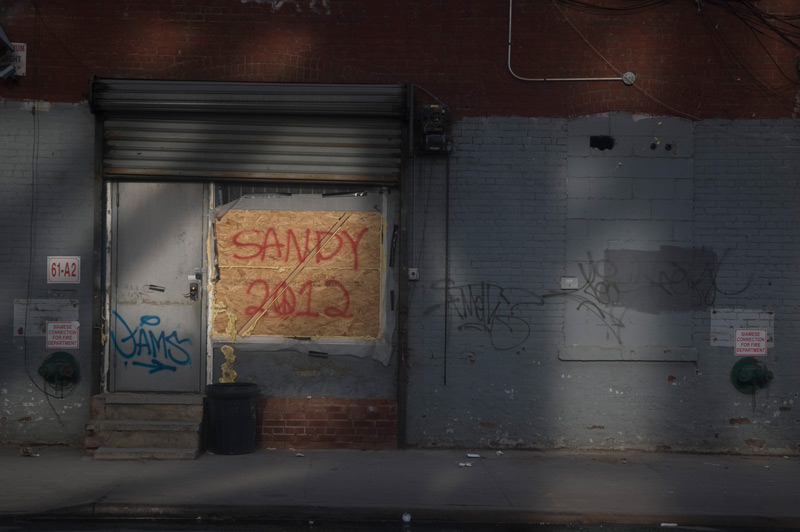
<point x="298" y="274"/>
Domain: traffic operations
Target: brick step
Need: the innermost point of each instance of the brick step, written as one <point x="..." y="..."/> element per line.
<point x="145" y="453"/>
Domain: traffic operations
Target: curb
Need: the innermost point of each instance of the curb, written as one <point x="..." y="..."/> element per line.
<point x="102" y="511"/>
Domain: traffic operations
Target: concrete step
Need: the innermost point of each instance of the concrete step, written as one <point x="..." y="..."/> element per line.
<point x="154" y="398"/>
<point x="147" y="434"/>
<point x="149" y="425"/>
<point x="149" y="407"/>
<point x="133" y="426"/>
<point x="154" y="412"/>
<point x="145" y="453"/>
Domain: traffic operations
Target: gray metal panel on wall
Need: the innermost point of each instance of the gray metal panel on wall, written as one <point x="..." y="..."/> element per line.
<point x="288" y="132"/>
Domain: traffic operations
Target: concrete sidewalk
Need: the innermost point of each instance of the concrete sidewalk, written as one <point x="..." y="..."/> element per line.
<point x="444" y="485"/>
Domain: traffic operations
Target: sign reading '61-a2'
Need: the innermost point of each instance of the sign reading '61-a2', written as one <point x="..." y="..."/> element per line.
<point x="64" y="270"/>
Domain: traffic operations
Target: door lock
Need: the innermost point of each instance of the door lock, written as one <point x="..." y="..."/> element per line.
<point x="193" y="289"/>
<point x="194" y="285"/>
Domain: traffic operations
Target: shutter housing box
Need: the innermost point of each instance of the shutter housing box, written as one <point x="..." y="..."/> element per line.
<point x="238" y="131"/>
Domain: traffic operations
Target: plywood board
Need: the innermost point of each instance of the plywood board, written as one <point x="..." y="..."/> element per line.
<point x="270" y="262"/>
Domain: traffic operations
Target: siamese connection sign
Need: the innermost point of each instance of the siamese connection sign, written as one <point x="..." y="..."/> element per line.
<point x="298" y="274"/>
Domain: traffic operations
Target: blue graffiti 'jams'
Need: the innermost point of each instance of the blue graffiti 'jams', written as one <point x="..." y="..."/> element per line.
<point x="144" y="341"/>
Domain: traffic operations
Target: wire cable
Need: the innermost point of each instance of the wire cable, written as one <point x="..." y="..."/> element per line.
<point x="36" y="146"/>
<point x="725" y="50"/>
<point x="446" y="268"/>
<point x="73" y="56"/>
<point x="615" y="69"/>
<point x="763" y="87"/>
<point x="627" y="78"/>
<point x="784" y="28"/>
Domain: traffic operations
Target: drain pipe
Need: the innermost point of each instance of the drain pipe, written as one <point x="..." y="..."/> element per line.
<point x="628" y="78"/>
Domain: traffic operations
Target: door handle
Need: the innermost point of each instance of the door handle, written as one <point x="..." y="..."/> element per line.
<point x="194" y="286"/>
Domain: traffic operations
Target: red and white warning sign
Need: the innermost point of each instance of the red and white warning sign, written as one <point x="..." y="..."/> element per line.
<point x="750" y="343"/>
<point x="19" y="57"/>
<point x="64" y="270"/>
<point x="62" y="334"/>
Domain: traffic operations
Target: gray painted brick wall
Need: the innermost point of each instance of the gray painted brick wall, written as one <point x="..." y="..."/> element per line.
<point x="703" y="227"/>
<point x="47" y="155"/>
<point x="475" y="385"/>
<point x="498" y="354"/>
<point x="749" y="203"/>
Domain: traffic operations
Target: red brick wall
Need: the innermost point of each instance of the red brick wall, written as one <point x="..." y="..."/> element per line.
<point x="687" y="62"/>
<point x="326" y="423"/>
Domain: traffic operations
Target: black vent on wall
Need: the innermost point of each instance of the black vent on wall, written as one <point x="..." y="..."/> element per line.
<point x="601" y="142"/>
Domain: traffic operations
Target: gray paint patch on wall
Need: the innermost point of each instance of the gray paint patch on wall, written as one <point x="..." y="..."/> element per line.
<point x="673" y="278"/>
<point x="630" y="243"/>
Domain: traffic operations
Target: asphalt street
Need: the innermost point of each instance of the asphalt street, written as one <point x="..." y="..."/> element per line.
<point x="436" y="488"/>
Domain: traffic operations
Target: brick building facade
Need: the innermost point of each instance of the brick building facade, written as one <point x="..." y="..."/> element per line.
<point x="586" y="250"/>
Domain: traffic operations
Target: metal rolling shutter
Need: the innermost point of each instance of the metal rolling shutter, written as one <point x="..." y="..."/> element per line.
<point x="266" y="131"/>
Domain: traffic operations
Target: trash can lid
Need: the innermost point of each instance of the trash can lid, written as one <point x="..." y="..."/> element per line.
<point x="233" y="390"/>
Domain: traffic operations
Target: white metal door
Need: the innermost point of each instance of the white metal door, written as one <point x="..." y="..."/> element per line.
<point x="156" y="333"/>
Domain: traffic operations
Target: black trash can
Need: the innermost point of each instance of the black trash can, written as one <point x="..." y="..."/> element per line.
<point x="232" y="417"/>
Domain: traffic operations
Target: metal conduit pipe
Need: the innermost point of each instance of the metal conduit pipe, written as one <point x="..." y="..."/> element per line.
<point x="628" y="78"/>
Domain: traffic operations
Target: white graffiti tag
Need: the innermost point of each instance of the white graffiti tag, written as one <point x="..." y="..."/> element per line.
<point x="317" y="6"/>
